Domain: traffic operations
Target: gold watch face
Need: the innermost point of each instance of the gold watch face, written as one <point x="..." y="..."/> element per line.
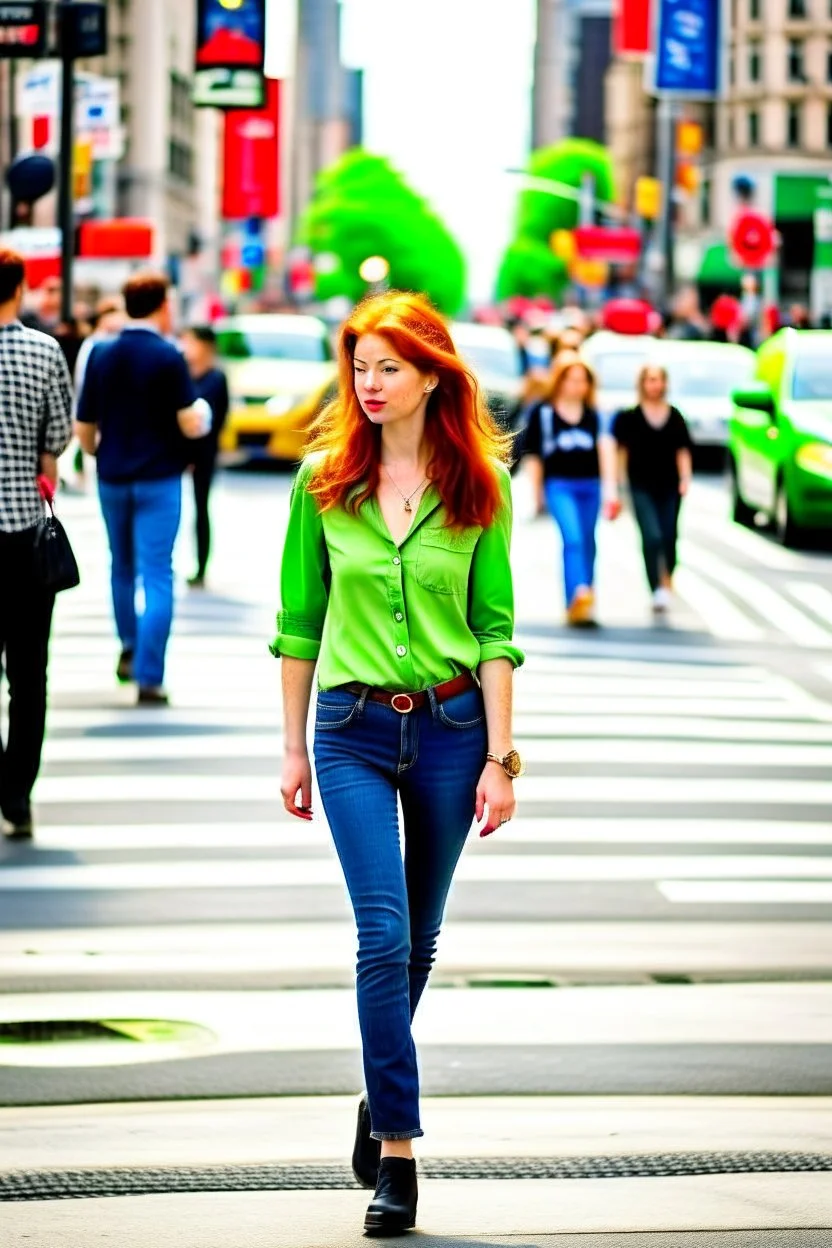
<point x="513" y="764"/>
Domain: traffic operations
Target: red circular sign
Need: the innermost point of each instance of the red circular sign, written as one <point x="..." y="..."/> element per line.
<point x="752" y="239"/>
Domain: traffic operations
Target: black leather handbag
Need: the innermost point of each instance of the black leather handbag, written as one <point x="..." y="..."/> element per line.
<point x="55" y="561"/>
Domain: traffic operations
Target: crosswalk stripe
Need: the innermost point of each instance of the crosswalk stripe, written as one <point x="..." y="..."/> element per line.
<point x="767" y="602"/>
<point x="474" y="868"/>
<point x="813" y="596"/>
<point x="757" y="546"/>
<point x="325" y="1019"/>
<point x="247" y="789"/>
<point x="556" y="748"/>
<point x="202" y="836"/>
<point x="723" y="618"/>
<point x="748" y="892"/>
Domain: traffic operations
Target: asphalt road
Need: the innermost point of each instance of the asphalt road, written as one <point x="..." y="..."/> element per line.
<point x="658" y="918"/>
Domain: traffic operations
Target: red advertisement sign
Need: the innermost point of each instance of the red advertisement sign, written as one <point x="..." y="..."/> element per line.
<point x="251" y="167"/>
<point x="632" y="32"/>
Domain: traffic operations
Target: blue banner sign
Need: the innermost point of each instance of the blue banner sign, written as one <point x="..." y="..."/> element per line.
<point x="688" y="42"/>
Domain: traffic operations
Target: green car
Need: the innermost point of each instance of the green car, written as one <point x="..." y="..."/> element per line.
<point x="780" y="436"/>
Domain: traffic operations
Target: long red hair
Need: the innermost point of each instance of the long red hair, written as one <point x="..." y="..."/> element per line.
<point x="465" y="442"/>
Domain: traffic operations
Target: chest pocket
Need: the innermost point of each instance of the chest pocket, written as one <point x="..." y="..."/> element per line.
<point x="444" y="559"/>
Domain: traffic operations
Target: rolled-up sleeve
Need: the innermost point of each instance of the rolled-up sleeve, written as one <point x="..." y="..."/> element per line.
<point x="304" y="577"/>
<point x="491" y="591"/>
<point x="56" y="414"/>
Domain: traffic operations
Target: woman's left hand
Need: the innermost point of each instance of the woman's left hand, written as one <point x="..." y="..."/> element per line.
<point x="496" y="791"/>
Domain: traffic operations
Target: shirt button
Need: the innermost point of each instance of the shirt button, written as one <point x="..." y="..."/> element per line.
<point x="399" y="616"/>
<point x="397" y="561"/>
<point x="401" y="651"/>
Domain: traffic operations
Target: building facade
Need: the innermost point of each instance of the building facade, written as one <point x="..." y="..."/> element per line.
<point x="572" y="52"/>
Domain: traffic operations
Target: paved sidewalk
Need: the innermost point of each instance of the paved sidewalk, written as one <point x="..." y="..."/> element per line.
<point x="764" y="1210"/>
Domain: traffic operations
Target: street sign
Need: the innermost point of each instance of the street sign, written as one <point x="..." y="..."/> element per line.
<point x="23" y="29"/>
<point x="617" y="244"/>
<point x="687" y="49"/>
<point x="752" y="239"/>
<point x="82" y="29"/>
<point x="230" y="35"/>
<point x="252" y="255"/>
<point x="228" y="88"/>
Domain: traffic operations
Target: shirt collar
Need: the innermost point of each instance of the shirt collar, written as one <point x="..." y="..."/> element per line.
<point x="148" y="325"/>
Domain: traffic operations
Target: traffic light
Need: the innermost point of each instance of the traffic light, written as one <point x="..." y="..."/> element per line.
<point x="647" y="200"/>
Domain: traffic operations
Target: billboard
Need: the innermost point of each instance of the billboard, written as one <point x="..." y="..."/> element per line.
<point x="687" y="47"/>
<point x="251" y="160"/>
<point x="632" y="27"/>
<point x="231" y="34"/>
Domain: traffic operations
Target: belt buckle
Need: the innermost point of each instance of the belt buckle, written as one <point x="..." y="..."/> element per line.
<point x="399" y="697"/>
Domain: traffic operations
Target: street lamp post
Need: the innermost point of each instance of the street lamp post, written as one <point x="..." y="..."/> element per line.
<point x="66" y="210"/>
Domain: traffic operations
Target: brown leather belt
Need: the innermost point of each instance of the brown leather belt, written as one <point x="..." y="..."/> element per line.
<point x="406" y="702"/>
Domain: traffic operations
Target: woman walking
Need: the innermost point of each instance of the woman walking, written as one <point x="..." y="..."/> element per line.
<point x="396" y="582"/>
<point x="654" y="448"/>
<point x="566" y="452"/>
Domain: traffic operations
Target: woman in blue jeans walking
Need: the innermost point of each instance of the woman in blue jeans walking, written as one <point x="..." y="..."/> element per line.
<point x="396" y="585"/>
<point x="565" y="453"/>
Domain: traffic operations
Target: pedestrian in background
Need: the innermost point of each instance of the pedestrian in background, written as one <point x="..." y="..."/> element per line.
<point x="396" y="581"/>
<point x="654" y="448"/>
<point x="565" y="452"/>
<point x="137" y="410"/>
<point x="199" y="344"/>
<point x="35" y="424"/>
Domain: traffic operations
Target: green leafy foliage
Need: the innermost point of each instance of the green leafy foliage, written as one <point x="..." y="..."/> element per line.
<point x="528" y="266"/>
<point x="363" y="207"/>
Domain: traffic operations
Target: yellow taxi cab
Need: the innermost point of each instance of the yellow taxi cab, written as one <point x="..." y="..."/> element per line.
<point x="280" y="371"/>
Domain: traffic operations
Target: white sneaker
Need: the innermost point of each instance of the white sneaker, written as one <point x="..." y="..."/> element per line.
<point x="661" y="599"/>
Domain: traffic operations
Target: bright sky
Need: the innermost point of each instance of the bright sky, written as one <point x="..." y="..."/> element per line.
<point x="448" y="98"/>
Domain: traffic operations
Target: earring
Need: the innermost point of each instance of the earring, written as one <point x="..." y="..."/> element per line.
<point x="429" y="389"/>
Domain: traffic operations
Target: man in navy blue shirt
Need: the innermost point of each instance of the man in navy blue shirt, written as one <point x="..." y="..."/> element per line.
<point x="137" y="412"/>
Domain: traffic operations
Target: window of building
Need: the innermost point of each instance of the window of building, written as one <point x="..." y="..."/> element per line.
<point x="793" y="126"/>
<point x="797" y="8"/>
<point x="705" y="202"/>
<point x="753" y="128"/>
<point x="796" y="64"/>
<point x="729" y="131"/>
<point x="180" y="161"/>
<point x="755" y="61"/>
<point x="753" y="10"/>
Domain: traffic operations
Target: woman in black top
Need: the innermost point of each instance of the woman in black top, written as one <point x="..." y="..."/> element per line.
<point x="565" y="448"/>
<point x="655" y="453"/>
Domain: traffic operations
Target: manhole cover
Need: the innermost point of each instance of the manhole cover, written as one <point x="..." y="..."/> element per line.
<point x="98" y="1041"/>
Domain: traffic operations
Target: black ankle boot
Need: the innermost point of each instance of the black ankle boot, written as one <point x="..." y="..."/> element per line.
<point x="393" y="1208"/>
<point x="367" y="1151"/>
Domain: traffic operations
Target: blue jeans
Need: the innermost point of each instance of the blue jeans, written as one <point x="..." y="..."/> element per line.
<point x="658" y="519"/>
<point x="142" y="519"/>
<point x="575" y="506"/>
<point x="366" y="756"/>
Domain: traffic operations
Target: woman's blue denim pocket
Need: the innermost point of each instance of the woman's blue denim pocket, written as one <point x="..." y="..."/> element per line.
<point x="463" y="710"/>
<point x="335" y="708"/>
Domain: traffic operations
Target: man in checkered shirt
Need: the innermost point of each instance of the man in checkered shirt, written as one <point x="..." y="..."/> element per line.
<point x="35" y="425"/>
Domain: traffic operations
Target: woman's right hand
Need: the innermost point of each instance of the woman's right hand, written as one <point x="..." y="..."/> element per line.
<point x="297" y="780"/>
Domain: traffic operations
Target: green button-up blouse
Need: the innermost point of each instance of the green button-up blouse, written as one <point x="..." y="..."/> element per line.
<point x="396" y="617"/>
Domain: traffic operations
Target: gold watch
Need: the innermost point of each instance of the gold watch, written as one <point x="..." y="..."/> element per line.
<point x="511" y="763"/>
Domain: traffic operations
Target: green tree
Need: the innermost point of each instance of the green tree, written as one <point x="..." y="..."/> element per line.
<point x="363" y="207"/>
<point x="528" y="266"/>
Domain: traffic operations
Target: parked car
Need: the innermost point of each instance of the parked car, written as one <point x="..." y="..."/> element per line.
<point x="701" y="377"/>
<point x="493" y="356"/>
<point x="616" y="360"/>
<point x="278" y="365"/>
<point x="780" y="436"/>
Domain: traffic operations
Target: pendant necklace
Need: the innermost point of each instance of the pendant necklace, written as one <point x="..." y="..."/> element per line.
<point x="406" y="497"/>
